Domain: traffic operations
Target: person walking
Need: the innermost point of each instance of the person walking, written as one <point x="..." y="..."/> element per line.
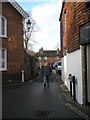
<point x="46" y="73"/>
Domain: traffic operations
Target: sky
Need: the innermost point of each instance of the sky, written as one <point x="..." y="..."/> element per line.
<point x="46" y="13"/>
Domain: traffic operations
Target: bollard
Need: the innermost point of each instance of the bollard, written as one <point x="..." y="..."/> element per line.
<point x="74" y="93"/>
<point x="70" y="79"/>
<point x="22" y="76"/>
<point x="70" y="88"/>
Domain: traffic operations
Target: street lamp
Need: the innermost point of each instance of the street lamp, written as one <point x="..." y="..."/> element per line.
<point x="27" y="33"/>
<point x="28" y="24"/>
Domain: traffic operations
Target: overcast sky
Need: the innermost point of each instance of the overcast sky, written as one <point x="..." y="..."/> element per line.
<point x="46" y="14"/>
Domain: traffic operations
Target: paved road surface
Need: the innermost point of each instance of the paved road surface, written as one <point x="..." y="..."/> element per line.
<point x="31" y="100"/>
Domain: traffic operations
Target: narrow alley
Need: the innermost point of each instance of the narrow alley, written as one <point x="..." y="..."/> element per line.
<point x="44" y="59"/>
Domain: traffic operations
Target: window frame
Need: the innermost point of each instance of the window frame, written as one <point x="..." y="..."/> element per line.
<point x="39" y="58"/>
<point x="45" y="58"/>
<point x="57" y="57"/>
<point x="64" y="20"/>
<point x="3" y="59"/>
<point x="5" y="27"/>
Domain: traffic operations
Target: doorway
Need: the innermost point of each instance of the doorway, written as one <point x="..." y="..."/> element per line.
<point x="88" y="73"/>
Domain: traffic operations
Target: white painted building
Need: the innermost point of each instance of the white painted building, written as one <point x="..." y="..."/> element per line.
<point x="71" y="64"/>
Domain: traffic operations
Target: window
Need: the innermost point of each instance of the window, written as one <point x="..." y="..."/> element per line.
<point x="88" y="5"/>
<point x="45" y="63"/>
<point x="39" y="58"/>
<point x="3" y="27"/>
<point x="3" y="59"/>
<point x="45" y="58"/>
<point x="57" y="58"/>
<point x="65" y="21"/>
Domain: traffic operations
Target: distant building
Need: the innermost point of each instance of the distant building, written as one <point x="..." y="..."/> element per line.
<point x="75" y="47"/>
<point x="11" y="34"/>
<point x="49" y="56"/>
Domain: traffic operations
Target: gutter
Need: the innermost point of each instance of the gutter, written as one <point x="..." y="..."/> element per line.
<point x="61" y="11"/>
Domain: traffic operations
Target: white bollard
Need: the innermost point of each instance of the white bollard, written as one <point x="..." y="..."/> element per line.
<point x="22" y="76"/>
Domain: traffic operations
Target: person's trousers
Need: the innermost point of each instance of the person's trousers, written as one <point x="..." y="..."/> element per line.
<point x="46" y="80"/>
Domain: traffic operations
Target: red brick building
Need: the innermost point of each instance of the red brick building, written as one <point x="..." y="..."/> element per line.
<point x="11" y="34"/>
<point x="48" y="56"/>
<point x="75" y="47"/>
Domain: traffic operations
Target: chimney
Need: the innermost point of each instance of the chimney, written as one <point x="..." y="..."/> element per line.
<point x="57" y="50"/>
<point x="41" y="50"/>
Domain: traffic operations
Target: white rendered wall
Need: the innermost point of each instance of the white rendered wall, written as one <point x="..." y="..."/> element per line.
<point x="72" y="64"/>
<point x="62" y="60"/>
<point x="64" y="69"/>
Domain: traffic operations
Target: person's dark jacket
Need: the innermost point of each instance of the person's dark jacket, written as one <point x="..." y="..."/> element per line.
<point x="46" y="70"/>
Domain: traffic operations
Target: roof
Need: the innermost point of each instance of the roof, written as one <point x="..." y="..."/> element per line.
<point x="31" y="53"/>
<point x="48" y="53"/>
<point x="61" y="11"/>
<point x="18" y="8"/>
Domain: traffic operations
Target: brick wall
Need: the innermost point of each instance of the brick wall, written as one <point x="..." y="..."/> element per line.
<point x="76" y="15"/>
<point x="14" y="42"/>
<point x="52" y="59"/>
<point x="49" y="60"/>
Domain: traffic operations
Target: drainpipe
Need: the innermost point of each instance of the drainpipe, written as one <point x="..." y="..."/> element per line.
<point x="85" y="58"/>
<point x="74" y="90"/>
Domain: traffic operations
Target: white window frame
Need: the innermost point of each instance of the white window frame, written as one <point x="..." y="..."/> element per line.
<point x="5" y="35"/>
<point x="45" y="58"/>
<point x="65" y="21"/>
<point x="39" y="58"/>
<point x="4" y="60"/>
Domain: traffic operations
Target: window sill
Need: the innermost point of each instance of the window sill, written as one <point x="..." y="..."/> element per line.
<point x="3" y="69"/>
<point x="1" y="36"/>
